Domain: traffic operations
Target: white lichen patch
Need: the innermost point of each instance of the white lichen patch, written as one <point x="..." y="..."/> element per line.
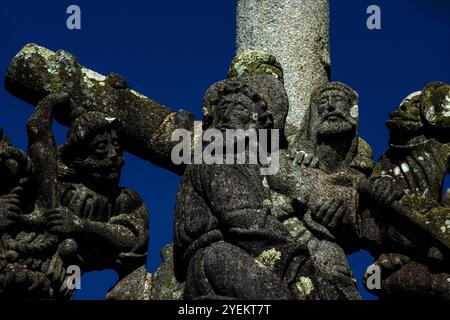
<point x="265" y="183"/>
<point x="430" y="115"/>
<point x="420" y="158"/>
<point x="268" y="258"/>
<point x="138" y="94"/>
<point x="92" y="74"/>
<point x="405" y="167"/>
<point x="411" y="96"/>
<point x="110" y="119"/>
<point x="354" y="111"/>
<point x="31" y="49"/>
<point x="304" y="285"/>
<point x="447" y="222"/>
<point x="446" y="104"/>
<point x="443" y="229"/>
<point x="397" y="171"/>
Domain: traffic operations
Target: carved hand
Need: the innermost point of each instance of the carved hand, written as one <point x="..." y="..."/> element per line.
<point x="9" y="210"/>
<point x="330" y="213"/>
<point x="64" y="221"/>
<point x="383" y="191"/>
<point x="302" y="158"/>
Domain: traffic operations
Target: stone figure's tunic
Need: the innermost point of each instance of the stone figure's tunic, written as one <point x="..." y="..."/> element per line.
<point x="125" y="208"/>
<point x="226" y="240"/>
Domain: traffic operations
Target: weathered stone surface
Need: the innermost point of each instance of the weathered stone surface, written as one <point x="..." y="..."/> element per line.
<point x="315" y="194"/>
<point x="135" y="286"/>
<point x="297" y="33"/>
<point x="255" y="62"/>
<point x="227" y="243"/>
<point x="407" y="226"/>
<point x="36" y="72"/>
<point x="164" y="284"/>
<point x="54" y="222"/>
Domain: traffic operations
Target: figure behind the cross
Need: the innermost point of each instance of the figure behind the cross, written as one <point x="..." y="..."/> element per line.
<point x="96" y="223"/>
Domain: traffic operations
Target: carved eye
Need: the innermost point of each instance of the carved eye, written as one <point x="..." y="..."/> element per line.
<point x="115" y="143"/>
<point x="338" y="99"/>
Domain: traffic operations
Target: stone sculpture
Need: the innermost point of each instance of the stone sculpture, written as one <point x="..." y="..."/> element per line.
<point x="77" y="202"/>
<point x="407" y="226"/>
<point x="238" y="234"/>
<point x="227" y="243"/>
<point x="315" y="190"/>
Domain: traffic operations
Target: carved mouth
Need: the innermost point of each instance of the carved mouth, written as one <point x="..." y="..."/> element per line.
<point x="334" y="117"/>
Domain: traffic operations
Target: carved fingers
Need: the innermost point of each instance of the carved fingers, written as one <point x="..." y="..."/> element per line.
<point x="382" y="191"/>
<point x="63" y="221"/>
<point x="330" y="213"/>
<point x="9" y="210"/>
<point x="301" y="158"/>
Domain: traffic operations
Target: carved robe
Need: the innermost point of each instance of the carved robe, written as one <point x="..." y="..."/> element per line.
<point x="227" y="243"/>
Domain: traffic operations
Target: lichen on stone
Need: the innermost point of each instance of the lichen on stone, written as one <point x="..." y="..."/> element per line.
<point x="304" y="285"/>
<point x="268" y="258"/>
<point x="254" y="61"/>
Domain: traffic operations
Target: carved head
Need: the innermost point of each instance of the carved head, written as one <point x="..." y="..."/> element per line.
<point x="248" y="101"/>
<point x="93" y="147"/>
<point x="406" y="120"/>
<point x="238" y="107"/>
<point x="337" y="108"/>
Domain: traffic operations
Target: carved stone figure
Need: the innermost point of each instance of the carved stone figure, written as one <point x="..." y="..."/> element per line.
<point x="407" y="227"/>
<point x="227" y="243"/>
<point x="315" y="191"/>
<point x="81" y="215"/>
<point x="20" y="276"/>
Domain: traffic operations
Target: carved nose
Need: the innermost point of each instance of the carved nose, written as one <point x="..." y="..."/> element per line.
<point x="112" y="152"/>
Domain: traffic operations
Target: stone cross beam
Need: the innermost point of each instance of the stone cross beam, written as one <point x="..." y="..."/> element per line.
<point x="36" y="72"/>
<point x="296" y="32"/>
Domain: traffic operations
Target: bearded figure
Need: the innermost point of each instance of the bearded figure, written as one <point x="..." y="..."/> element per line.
<point x="81" y="215"/>
<point x="228" y="245"/>
<point x="315" y="193"/>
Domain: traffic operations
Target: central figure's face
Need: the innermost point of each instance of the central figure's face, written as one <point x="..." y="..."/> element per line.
<point x="238" y="112"/>
<point x="334" y="109"/>
<point x="104" y="160"/>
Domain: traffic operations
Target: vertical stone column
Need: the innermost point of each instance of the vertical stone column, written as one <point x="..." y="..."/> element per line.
<point x="297" y="33"/>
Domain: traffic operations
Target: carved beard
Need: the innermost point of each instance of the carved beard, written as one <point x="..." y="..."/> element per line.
<point x="330" y="127"/>
<point x="108" y="169"/>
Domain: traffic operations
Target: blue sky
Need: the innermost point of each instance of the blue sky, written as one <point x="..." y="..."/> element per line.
<point x="173" y="50"/>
